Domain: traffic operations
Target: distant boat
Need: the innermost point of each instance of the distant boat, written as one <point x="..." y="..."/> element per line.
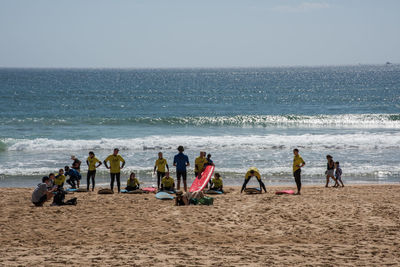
<point x="388" y="63"/>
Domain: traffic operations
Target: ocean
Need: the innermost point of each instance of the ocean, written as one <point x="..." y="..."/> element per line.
<point x="242" y="116"/>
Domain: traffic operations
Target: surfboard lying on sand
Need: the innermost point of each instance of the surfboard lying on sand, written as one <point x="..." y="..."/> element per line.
<point x="149" y="189"/>
<point x="285" y="192"/>
<point x="168" y="191"/>
<point x="164" y="196"/>
<point x="136" y="191"/>
<point x="213" y="192"/>
<point x="71" y="189"/>
<point x="252" y="190"/>
<point x="199" y="184"/>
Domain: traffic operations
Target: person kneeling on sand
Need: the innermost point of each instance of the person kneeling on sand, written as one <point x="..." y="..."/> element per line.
<point x="74" y="176"/>
<point x="167" y="183"/>
<point x="132" y="183"/>
<point x="216" y="183"/>
<point x="253" y="171"/>
<point x="41" y="194"/>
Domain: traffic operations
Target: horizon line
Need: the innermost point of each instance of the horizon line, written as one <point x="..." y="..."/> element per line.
<point x="205" y="67"/>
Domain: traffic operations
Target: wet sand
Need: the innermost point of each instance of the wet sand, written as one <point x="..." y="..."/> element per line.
<point x="351" y="226"/>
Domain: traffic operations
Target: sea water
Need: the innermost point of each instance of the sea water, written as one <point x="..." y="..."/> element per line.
<point x="242" y="117"/>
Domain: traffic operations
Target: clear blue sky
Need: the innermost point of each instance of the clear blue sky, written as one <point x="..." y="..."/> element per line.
<point x="186" y="33"/>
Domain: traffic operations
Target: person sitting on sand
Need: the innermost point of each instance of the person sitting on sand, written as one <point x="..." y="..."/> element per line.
<point x="132" y="183"/>
<point x="41" y="193"/>
<point x="253" y="171"/>
<point x="74" y="176"/>
<point x="60" y="179"/>
<point x="216" y="183"/>
<point x="181" y="199"/>
<point x="330" y="169"/>
<point x="167" y="183"/>
<point x="338" y="174"/>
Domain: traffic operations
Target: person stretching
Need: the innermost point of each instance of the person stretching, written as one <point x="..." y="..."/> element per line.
<point x="253" y="171"/>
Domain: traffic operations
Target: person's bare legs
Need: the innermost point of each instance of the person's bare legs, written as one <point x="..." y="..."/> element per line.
<point x="327" y="181"/>
<point x="334" y="179"/>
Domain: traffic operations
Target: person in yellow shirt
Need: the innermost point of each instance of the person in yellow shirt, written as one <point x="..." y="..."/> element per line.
<point x="298" y="163"/>
<point x="91" y="162"/>
<point x="216" y="183"/>
<point x="160" y="165"/>
<point x="253" y="171"/>
<point x="199" y="163"/>
<point x="115" y="168"/>
<point x="60" y="179"/>
<point x="132" y="183"/>
<point x="167" y="183"/>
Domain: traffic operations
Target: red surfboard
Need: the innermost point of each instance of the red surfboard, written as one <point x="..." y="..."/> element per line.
<point x="149" y="189"/>
<point x="199" y="184"/>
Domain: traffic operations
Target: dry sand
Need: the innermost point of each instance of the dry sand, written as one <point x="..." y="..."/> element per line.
<point x="351" y="226"/>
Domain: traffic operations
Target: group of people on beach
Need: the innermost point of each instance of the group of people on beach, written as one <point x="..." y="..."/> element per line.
<point x="54" y="182"/>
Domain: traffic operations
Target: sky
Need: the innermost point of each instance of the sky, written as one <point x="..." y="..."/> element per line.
<point x="203" y="33"/>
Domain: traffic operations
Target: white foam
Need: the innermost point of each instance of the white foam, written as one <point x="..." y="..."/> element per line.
<point x="368" y="141"/>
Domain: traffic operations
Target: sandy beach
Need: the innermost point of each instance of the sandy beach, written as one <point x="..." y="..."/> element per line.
<point x="351" y="226"/>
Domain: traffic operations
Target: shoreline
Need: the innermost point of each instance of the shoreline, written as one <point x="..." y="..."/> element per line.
<point x="358" y="225"/>
<point x="267" y="184"/>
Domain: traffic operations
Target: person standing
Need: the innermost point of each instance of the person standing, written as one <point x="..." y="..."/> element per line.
<point x="159" y="166"/>
<point x="298" y="163"/>
<point x="91" y="174"/>
<point x="76" y="165"/>
<point x="181" y="161"/>
<point x="330" y="170"/>
<point x="199" y="163"/>
<point x="115" y="168"/>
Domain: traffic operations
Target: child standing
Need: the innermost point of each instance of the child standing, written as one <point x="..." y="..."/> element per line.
<point x="338" y="174"/>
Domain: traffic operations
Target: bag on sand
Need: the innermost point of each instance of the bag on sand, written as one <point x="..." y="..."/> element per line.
<point x="105" y="191"/>
<point x="72" y="201"/>
<point x="206" y="201"/>
<point x="59" y="197"/>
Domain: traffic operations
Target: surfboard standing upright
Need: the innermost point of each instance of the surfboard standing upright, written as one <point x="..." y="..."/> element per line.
<point x="199" y="184"/>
